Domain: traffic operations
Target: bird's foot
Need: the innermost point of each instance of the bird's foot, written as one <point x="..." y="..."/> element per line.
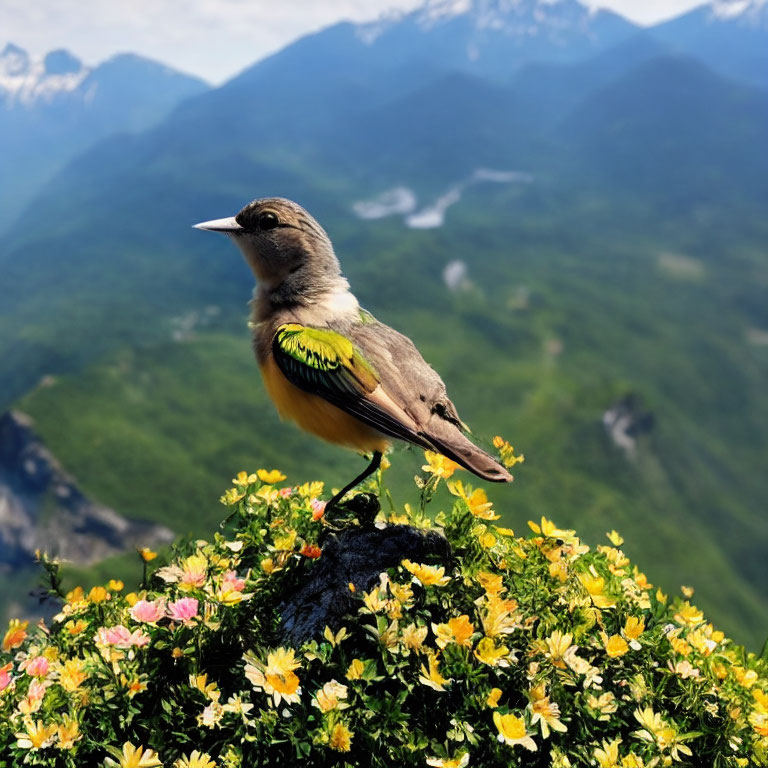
<point x="362" y="507"/>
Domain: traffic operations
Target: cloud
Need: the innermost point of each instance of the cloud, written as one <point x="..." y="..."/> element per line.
<point x="212" y="38"/>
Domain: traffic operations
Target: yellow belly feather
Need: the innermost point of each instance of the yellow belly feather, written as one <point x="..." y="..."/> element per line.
<point x="318" y="416"/>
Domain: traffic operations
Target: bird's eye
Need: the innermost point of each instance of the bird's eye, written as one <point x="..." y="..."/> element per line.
<point x="268" y="220"/>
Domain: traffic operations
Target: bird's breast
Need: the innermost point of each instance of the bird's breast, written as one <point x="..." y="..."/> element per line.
<point x="317" y="416"/>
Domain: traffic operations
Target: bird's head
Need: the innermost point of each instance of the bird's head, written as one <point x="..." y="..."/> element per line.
<point x="281" y="242"/>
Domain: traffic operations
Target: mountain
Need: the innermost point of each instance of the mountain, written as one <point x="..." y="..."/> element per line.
<point x="42" y="507"/>
<point x="673" y="132"/>
<point x="731" y="36"/>
<point x="494" y="37"/>
<point x="53" y="107"/>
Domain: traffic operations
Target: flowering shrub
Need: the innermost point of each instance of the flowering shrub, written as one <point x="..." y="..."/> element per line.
<point x="531" y="651"/>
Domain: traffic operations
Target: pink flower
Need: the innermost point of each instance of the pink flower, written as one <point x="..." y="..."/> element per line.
<point x="148" y="610"/>
<point x="139" y="638"/>
<point x="5" y="677"/>
<point x="37" y="689"/>
<point x="285" y="492"/>
<point x="183" y="610"/>
<point x="318" y="509"/>
<point x="231" y="583"/>
<point x="37" y="667"/>
<point x="121" y="637"/>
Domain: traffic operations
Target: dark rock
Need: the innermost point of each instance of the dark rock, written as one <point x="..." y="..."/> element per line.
<point x="41" y="507"/>
<point x="355" y="556"/>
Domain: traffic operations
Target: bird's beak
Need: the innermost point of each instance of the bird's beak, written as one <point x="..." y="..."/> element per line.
<point x="227" y="226"/>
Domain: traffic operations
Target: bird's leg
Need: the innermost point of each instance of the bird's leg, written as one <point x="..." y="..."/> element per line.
<point x="367" y="472"/>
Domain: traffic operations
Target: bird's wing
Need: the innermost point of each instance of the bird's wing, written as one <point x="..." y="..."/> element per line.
<point x="419" y="393"/>
<point x="326" y="363"/>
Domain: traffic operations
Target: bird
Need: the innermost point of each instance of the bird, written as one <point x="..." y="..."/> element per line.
<point x="328" y="364"/>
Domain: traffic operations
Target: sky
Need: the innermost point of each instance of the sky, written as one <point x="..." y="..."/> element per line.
<point x="213" y="39"/>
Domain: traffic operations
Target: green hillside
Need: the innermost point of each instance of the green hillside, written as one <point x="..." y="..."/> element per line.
<point x="558" y="325"/>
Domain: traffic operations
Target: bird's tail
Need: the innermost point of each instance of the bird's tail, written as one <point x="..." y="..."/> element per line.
<point x="464" y="452"/>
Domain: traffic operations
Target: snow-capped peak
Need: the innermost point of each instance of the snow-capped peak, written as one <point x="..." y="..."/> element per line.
<point x="512" y="18"/>
<point x="26" y="79"/>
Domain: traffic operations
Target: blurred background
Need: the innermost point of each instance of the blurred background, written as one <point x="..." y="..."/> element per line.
<point x="564" y="205"/>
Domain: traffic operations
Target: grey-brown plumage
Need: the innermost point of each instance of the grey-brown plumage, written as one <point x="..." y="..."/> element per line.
<point x="328" y="364"/>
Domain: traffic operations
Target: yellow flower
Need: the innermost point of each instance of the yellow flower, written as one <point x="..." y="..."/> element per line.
<point x="492" y="583"/>
<point x="340" y="738"/>
<point x="454" y="762"/>
<point x="679" y="645"/>
<point x="458" y="630"/>
<point x="605" y="704"/>
<point x="413" y="637"/>
<point x="558" y="646"/>
<point x="243" y="479"/>
<point x="689" y="614"/>
<point x="16" y="634"/>
<point x="330" y="697"/>
<point x="699" y="640"/>
<point x="285" y="540"/>
<point x="195" y="760"/>
<point x="115" y="585"/>
<point x="68" y="732"/>
<point x="745" y="677"/>
<point x="75" y="596"/>
<point x="146" y="554"/>
<point x="277" y="679"/>
<point x="548" y="529"/>
<point x="133" y="685"/>
<point x="136" y="757"/>
<point x="72" y="675"/>
<point x="687" y="591"/>
<point x="36" y="736"/>
<point x="761" y="700"/>
<point x="355" y="670"/>
<point x="489" y="654"/>
<point x="615" y="645"/>
<point x="512" y="731"/>
<point x="595" y="584"/>
<point x="759" y="722"/>
<point x="634" y="627"/>
<point x="432" y="676"/>
<point x="485" y="537"/>
<point x="507" y="452"/>
<point x="98" y="595"/>
<point x="615" y="538"/>
<point x="75" y="627"/>
<point x="209" y="690"/>
<point x="268" y="565"/>
<point x="500" y="616"/>
<point x="492" y="699"/>
<point x="438" y="465"/>
<point x="559" y="570"/>
<point x="194" y="570"/>
<point x="545" y="712"/>
<point x="271" y="477"/>
<point x="608" y="755"/>
<point x="231" y="496"/>
<point x="428" y="575"/>
<point x="655" y="729"/>
<point x="477" y="501"/>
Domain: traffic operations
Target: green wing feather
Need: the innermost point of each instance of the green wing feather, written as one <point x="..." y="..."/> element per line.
<point x="326" y="363"/>
<point x="322" y="361"/>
